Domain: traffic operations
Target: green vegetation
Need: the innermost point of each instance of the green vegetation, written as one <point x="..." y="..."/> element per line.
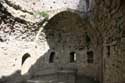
<point x="42" y="13"/>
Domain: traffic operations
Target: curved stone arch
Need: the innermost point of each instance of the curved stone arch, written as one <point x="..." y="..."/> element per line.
<point x="83" y="25"/>
<point x="63" y="14"/>
<point x="93" y="31"/>
<point x="71" y="12"/>
<point x="53" y="13"/>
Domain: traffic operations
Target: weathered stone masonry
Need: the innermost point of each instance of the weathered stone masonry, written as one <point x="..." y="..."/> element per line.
<point x="75" y="45"/>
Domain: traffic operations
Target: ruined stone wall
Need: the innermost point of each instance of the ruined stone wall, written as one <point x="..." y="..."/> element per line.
<point x="109" y="18"/>
<point x="19" y="24"/>
<point x="64" y="39"/>
<point x="105" y="26"/>
<point x="16" y="38"/>
<point x="35" y="10"/>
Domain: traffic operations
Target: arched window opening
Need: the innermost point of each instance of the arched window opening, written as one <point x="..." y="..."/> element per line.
<point x="25" y="56"/>
<point x="51" y="58"/>
<point x="90" y="57"/>
<point x="72" y="57"/>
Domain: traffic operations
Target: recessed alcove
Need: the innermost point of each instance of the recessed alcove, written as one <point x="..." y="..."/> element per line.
<point x="24" y="57"/>
<point x="90" y="57"/>
<point x="51" y="57"/>
<point x="72" y="57"/>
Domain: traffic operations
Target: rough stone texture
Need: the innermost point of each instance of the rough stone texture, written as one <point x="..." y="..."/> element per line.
<point x="97" y="25"/>
<point x="63" y="39"/>
<point x="16" y="37"/>
<point x="112" y="29"/>
<point x="22" y="33"/>
<point x="31" y="11"/>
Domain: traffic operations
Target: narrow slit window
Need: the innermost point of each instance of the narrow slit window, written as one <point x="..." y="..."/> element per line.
<point x="108" y="51"/>
<point x="90" y="57"/>
<point x="51" y="58"/>
<point x="72" y="57"/>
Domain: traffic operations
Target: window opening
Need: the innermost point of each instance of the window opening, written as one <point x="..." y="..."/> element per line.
<point x="51" y="58"/>
<point x="72" y="57"/>
<point x="90" y="57"/>
<point x="108" y="51"/>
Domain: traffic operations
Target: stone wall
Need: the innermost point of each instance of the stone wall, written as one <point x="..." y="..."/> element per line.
<point x="109" y="19"/>
<point x="64" y="39"/>
<point x="18" y="31"/>
<point x="97" y="27"/>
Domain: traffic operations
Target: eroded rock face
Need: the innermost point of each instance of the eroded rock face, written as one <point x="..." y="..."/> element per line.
<point x="17" y="37"/>
<point x="33" y="10"/>
<point x="18" y="29"/>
